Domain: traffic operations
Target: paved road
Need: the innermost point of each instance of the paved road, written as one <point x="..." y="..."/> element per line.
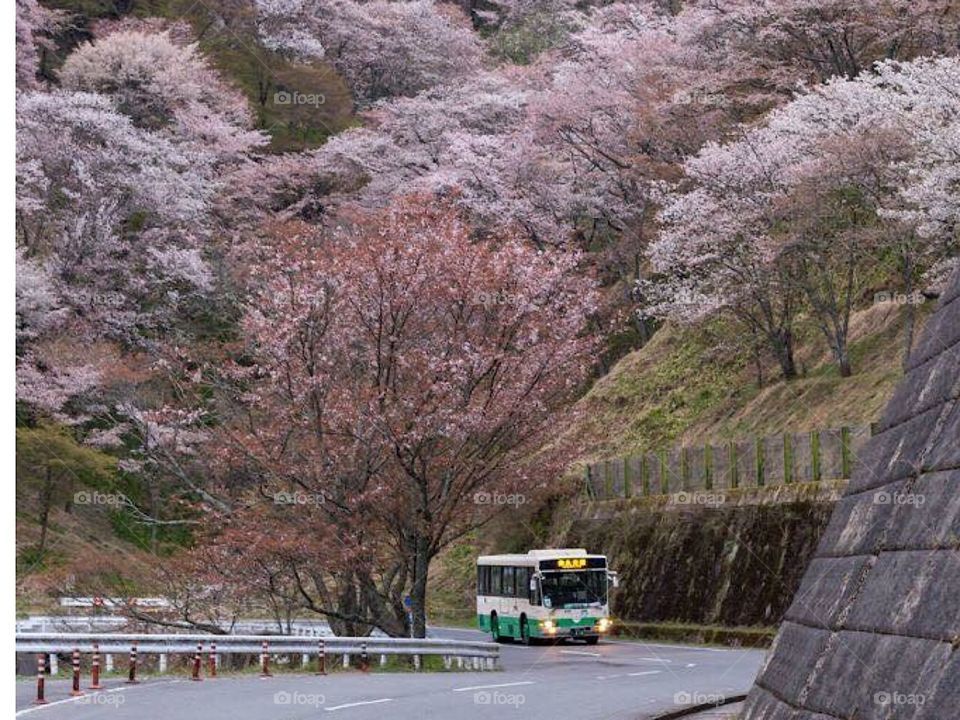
<point x="575" y="682"/>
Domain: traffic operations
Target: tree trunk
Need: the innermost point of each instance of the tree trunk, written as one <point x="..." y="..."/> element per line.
<point x="46" y="500"/>
<point x="909" y="323"/>
<point x="418" y="591"/>
<point x="783" y="348"/>
<point x="910" y="312"/>
<point x="758" y="364"/>
<point x="842" y="355"/>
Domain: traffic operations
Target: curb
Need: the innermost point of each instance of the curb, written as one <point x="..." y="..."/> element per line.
<point x="693" y="709"/>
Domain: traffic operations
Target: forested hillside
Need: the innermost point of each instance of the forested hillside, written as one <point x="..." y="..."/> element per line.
<point x="303" y="284"/>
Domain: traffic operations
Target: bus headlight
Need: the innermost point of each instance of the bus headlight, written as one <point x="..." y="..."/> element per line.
<point x="548" y="625"/>
<point x="604" y="624"/>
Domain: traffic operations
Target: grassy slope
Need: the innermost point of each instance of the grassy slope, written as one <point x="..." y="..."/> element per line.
<point x="694" y="384"/>
<point x="81" y="544"/>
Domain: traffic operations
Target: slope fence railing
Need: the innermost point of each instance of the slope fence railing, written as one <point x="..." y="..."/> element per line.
<point x="772" y="460"/>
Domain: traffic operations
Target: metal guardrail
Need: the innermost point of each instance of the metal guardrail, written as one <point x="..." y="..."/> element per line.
<point x="278" y="644"/>
<point x="482" y="655"/>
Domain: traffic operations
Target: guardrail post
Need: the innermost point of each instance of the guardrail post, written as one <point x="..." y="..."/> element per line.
<point x="459" y="662"/>
<point x="212" y="662"/>
<point x="346" y="660"/>
<point x="416" y="662"/>
<point x="95" y="669"/>
<point x="108" y="658"/>
<point x="321" y="659"/>
<point x="446" y="662"/>
<point x="364" y="658"/>
<point x="265" y="660"/>
<point x="41" y="672"/>
<point x="162" y="664"/>
<point x="54" y="664"/>
<point x="75" y="691"/>
<point x="132" y="675"/>
<point x="383" y="660"/>
<point x="196" y="662"/>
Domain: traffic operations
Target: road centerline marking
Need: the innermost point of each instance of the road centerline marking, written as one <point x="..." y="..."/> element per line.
<point x="645" y="672"/>
<point x="490" y="687"/>
<point x="357" y="704"/>
<point x="580" y="652"/>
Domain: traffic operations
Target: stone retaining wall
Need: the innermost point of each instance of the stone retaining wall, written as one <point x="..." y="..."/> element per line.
<point x="873" y="632"/>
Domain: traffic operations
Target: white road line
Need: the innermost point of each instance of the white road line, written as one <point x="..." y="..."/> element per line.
<point x="645" y="672"/>
<point x="488" y="687"/>
<point x="689" y="648"/>
<point x="85" y="698"/>
<point x="690" y="665"/>
<point x="579" y="652"/>
<point x="607" y="677"/>
<point x="356" y="704"/>
<point x="659" y="660"/>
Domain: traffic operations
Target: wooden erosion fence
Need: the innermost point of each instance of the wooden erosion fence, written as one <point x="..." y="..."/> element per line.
<point x="758" y="462"/>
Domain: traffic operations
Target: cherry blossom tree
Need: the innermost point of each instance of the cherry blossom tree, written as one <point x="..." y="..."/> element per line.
<point x="397" y="368"/>
<point x="831" y="181"/>
<point x="384" y="49"/>
<point x="777" y="43"/>
<point x="163" y="85"/>
<point x="34" y="26"/>
<point x="79" y="157"/>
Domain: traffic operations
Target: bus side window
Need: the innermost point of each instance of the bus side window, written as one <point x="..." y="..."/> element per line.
<point x="496" y="578"/>
<point x="508" y="582"/>
<point x="534" y="594"/>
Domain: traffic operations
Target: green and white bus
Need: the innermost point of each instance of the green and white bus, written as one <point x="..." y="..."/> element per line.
<point x="554" y="593"/>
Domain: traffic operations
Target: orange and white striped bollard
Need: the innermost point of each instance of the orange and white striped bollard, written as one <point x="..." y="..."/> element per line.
<point x="132" y="676"/>
<point x="196" y="662"/>
<point x="41" y="678"/>
<point x="95" y="669"/>
<point x="75" y="691"/>
<point x="265" y="660"/>
<point x="212" y="664"/>
<point x="322" y="659"/>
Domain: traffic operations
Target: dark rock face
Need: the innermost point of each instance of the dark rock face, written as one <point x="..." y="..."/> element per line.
<point x="707" y="565"/>
<point x="873" y="633"/>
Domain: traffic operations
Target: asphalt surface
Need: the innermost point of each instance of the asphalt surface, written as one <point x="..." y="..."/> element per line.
<point x="612" y="680"/>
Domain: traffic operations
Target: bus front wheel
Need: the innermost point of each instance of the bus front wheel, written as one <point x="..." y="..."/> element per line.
<point x="524" y="631"/>
<point x="495" y="628"/>
<point x="592" y="639"/>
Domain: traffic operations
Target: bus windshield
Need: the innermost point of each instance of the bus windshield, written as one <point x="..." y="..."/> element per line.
<point x="582" y="588"/>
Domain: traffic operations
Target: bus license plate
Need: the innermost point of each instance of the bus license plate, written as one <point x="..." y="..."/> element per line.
<point x="575" y="632"/>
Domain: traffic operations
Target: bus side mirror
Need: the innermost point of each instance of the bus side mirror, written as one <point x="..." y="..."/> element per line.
<point x="614" y="579"/>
